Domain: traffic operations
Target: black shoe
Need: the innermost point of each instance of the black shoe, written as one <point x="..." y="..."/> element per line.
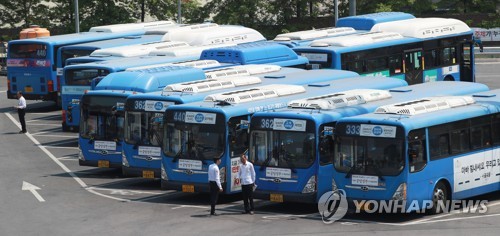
<point x="244" y="212"/>
<point x="214" y="214"/>
<point x="22" y="132"/>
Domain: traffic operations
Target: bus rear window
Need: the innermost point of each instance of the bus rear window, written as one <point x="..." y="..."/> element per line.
<point x="28" y="51"/>
<point x="83" y="76"/>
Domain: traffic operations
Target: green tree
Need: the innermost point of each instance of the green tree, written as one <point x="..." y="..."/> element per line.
<point x="24" y="13"/>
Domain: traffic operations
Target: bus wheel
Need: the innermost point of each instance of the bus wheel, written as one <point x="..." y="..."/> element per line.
<point x="439" y="197"/>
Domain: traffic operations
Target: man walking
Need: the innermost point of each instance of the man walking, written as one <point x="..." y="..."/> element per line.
<point x="21" y="106"/>
<point x="246" y="175"/>
<point x="215" y="185"/>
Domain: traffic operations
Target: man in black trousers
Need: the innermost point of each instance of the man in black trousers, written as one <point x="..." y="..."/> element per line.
<point x="21" y="107"/>
<point x="215" y="185"/>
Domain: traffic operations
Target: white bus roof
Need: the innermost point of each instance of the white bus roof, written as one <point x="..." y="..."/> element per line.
<point x="341" y="99"/>
<point x="242" y="70"/>
<point x="256" y="93"/>
<point x="423" y="27"/>
<point x="356" y="39"/>
<point x="425" y="105"/>
<point x="196" y="64"/>
<point x="314" y="33"/>
<point x="185" y="51"/>
<point x="206" y="85"/>
<point x="131" y="26"/>
<point x="213" y="35"/>
<point x="137" y="50"/>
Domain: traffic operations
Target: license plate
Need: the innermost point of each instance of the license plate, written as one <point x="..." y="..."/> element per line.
<point x="28" y="89"/>
<point x="276" y="197"/>
<point x="148" y="174"/>
<point x="103" y="164"/>
<point x="188" y="188"/>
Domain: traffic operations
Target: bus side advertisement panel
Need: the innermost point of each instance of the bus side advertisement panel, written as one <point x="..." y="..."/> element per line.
<point x="235" y="167"/>
<point x="476" y="170"/>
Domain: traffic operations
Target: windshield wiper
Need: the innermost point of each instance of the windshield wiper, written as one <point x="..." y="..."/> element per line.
<point x="178" y="155"/>
<point x="351" y="170"/>
<point x="268" y="159"/>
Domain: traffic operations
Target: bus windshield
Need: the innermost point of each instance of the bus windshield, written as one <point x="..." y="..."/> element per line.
<point x="83" y="76"/>
<point x="144" y="128"/>
<point x="28" y="51"/>
<point x="286" y="149"/>
<point x="194" y="141"/>
<point x="100" y="118"/>
<point x="371" y="156"/>
<point x="71" y="53"/>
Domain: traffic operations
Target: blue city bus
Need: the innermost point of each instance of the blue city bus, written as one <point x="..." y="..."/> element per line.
<point x="287" y="173"/>
<point x="418" y="50"/>
<point x="32" y="63"/>
<point x="432" y="149"/>
<point x="195" y="133"/>
<point x="79" y="77"/>
<point x="344" y="26"/>
<point x="102" y="110"/>
<point x="144" y="122"/>
<point x="192" y="38"/>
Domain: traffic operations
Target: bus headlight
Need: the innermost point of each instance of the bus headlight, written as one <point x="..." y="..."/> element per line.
<point x="334" y="185"/>
<point x="80" y="154"/>
<point x="400" y="193"/>
<point x="124" y="160"/>
<point x="164" y="175"/>
<point x="310" y="185"/>
<point x="223" y="174"/>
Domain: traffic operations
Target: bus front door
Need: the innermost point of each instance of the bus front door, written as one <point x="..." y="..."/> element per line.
<point x="413" y="67"/>
<point x="466" y="70"/>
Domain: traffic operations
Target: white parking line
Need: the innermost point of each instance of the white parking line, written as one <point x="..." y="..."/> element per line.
<point x="60" y="164"/>
<point x="53" y="135"/>
<point x="46" y="124"/>
<point x="189" y="206"/>
<point x="60" y="147"/>
<point x="38" y="120"/>
<point x="3" y="91"/>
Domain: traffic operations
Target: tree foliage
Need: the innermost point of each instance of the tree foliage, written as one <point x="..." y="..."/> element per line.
<point x="268" y="16"/>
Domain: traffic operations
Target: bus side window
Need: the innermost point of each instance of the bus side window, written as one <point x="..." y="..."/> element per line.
<point x="417" y="153"/>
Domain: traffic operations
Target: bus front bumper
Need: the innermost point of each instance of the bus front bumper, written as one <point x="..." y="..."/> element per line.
<point x="95" y="163"/>
<point x="185" y="187"/>
<point x="140" y="172"/>
<point x="286" y="197"/>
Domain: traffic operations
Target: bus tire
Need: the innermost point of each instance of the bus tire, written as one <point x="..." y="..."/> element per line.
<point x="440" y="195"/>
<point x="448" y="78"/>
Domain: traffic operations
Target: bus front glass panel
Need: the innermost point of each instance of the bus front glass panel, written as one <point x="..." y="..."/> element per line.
<point x="279" y="148"/>
<point x="71" y="53"/>
<point x="368" y="155"/>
<point x="144" y="128"/>
<point x="83" y="76"/>
<point x="28" y="51"/>
<point x="196" y="141"/>
<point x="101" y="118"/>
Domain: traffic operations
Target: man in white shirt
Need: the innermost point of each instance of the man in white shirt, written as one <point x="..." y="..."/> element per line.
<point x="21" y="106"/>
<point x="215" y="185"/>
<point x="246" y="175"/>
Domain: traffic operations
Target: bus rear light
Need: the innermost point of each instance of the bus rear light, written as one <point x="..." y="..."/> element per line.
<point x="310" y="185"/>
<point x="400" y="193"/>
<point x="8" y="84"/>
<point x="125" y="161"/>
<point x="164" y="175"/>
<point x="50" y="86"/>
<point x="223" y="174"/>
<point x="58" y="79"/>
<point x="80" y="154"/>
<point x="63" y="114"/>
<point x="334" y="185"/>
